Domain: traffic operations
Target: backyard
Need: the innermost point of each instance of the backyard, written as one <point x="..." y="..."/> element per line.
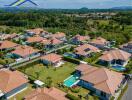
<point x="41" y="72"/>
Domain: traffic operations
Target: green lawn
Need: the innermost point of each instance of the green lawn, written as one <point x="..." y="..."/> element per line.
<point x="21" y="95"/>
<point x="57" y="75"/>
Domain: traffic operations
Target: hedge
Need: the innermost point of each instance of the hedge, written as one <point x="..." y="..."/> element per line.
<point x="72" y="97"/>
<point x="73" y="60"/>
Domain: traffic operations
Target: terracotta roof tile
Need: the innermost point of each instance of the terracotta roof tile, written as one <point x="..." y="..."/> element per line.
<point x="10" y="80"/>
<point x="104" y="79"/>
<point x="52" y="57"/>
<point x="25" y="51"/>
<point x="7" y="44"/>
<point x="58" y="35"/>
<point x="34" y="39"/>
<point x="81" y="38"/>
<point x="100" y="41"/>
<point x="115" y="54"/>
<point x="46" y="94"/>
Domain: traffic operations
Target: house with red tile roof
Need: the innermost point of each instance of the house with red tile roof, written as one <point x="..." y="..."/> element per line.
<point x="52" y="59"/>
<point x="86" y="50"/>
<point x="115" y="57"/>
<point x="36" y="31"/>
<point x="46" y="94"/>
<point x="7" y="45"/>
<point x="34" y="39"/>
<point x="100" y="43"/>
<point x="103" y="82"/>
<point x="25" y="52"/>
<point x="12" y="83"/>
<point x="78" y="39"/>
<point x="59" y="35"/>
<point x="127" y="47"/>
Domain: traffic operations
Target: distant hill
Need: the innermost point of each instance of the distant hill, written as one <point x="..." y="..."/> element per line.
<point x="123" y="7"/>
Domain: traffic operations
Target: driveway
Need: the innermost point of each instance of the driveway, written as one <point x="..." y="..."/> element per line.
<point x="128" y="93"/>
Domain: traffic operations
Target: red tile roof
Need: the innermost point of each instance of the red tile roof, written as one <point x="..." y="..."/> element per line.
<point x="7" y="44"/>
<point x="37" y="31"/>
<point x="115" y="54"/>
<point x="58" y="35"/>
<point x="81" y="38"/>
<point x="52" y="57"/>
<point x="55" y="41"/>
<point x="100" y="41"/>
<point x="87" y="46"/>
<point x="84" y="68"/>
<point x="34" y="39"/>
<point x="25" y="51"/>
<point x="46" y="94"/>
<point x="10" y="80"/>
<point x="104" y="79"/>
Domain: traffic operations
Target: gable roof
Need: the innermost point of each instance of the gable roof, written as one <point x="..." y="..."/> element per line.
<point x="104" y="79"/>
<point x="7" y="44"/>
<point x="34" y="39"/>
<point x="52" y="57"/>
<point x="46" y="94"/>
<point x="115" y="54"/>
<point x="10" y="80"/>
<point x="24" y="51"/>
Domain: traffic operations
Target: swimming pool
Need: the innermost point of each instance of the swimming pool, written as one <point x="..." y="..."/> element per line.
<point x="70" y="55"/>
<point x="72" y="80"/>
<point x="119" y="68"/>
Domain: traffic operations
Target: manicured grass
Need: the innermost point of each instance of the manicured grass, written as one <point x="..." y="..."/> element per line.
<point x="57" y="74"/>
<point x="21" y="95"/>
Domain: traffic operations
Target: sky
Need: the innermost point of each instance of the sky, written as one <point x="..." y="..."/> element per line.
<point x="70" y="4"/>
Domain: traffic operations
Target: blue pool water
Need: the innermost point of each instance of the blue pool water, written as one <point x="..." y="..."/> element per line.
<point x="70" y="55"/>
<point x="70" y="81"/>
<point x="119" y="68"/>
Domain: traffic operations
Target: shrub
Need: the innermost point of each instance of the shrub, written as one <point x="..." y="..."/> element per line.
<point x="73" y="60"/>
<point x="72" y="97"/>
<point x="75" y="90"/>
<point x="2" y="62"/>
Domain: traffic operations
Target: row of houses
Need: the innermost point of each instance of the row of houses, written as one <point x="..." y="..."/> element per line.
<point x="103" y="82"/>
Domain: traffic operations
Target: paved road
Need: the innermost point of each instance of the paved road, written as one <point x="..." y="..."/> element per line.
<point x="128" y="93"/>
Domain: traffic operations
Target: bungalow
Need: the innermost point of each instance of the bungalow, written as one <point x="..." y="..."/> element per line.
<point x="115" y="57"/>
<point x="36" y="31"/>
<point x="102" y="82"/>
<point x="78" y="39"/>
<point x="25" y="52"/>
<point x="34" y="39"/>
<point x="7" y="45"/>
<point x="46" y="94"/>
<point x="86" y="50"/>
<point x="59" y="35"/>
<point x="54" y="43"/>
<point x="7" y="36"/>
<point x="52" y="59"/>
<point x="100" y="43"/>
<point x="11" y="83"/>
<point x="46" y="43"/>
<point x="127" y="47"/>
